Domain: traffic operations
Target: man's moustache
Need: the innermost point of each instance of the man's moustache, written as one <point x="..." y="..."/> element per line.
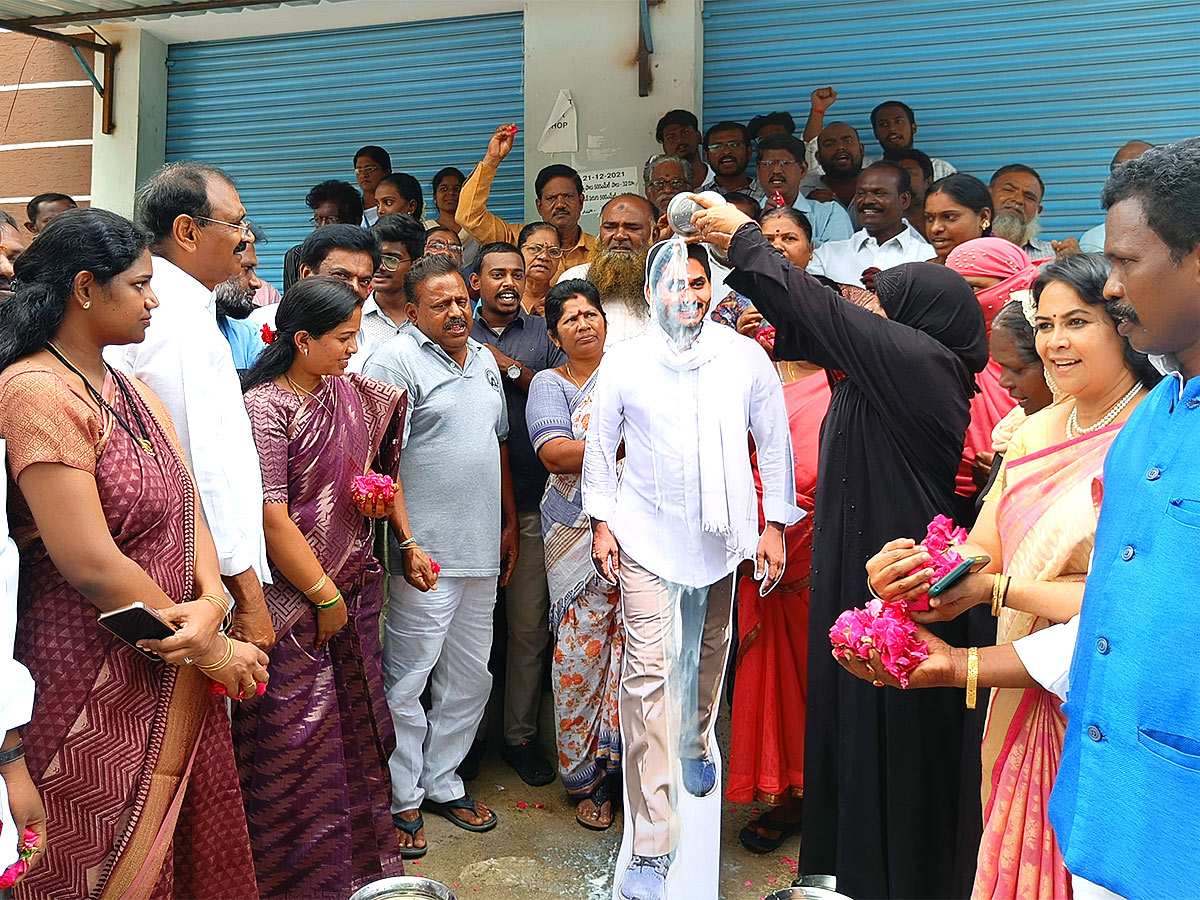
<point x="1125" y="312"/>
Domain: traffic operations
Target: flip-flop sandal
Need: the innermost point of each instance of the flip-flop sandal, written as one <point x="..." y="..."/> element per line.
<point x="411" y="829"/>
<point x="592" y="825"/>
<point x="756" y="843"/>
<point x="446" y="810"/>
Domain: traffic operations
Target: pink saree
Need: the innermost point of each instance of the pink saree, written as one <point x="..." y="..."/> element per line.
<point x="132" y="758"/>
<point x="1047" y="524"/>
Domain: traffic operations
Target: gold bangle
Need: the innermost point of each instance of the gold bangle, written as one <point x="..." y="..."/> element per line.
<point x="316" y="587"/>
<point x="224" y="659"/>
<point x="226" y="610"/>
<point x="333" y="601"/>
<point x="217" y="600"/>
<point x="972" y="676"/>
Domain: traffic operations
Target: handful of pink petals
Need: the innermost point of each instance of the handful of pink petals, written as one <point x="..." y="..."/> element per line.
<point x="886" y="629"/>
<point x="373" y="487"/>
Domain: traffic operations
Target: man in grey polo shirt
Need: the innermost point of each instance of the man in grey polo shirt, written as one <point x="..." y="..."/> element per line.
<point x="459" y="497"/>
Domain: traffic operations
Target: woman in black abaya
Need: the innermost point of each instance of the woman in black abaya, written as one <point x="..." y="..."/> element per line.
<point x="891" y="805"/>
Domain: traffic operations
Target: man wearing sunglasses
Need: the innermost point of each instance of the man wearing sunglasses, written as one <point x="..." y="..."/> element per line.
<point x="727" y="149"/>
<point x="198" y="229"/>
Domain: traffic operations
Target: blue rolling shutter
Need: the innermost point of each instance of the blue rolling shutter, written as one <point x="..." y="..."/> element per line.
<point x="1055" y="85"/>
<point x="283" y="113"/>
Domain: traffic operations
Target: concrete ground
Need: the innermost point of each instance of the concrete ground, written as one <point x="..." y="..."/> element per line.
<point x="539" y="852"/>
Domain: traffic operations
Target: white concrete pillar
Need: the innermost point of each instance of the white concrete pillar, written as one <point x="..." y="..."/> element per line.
<point x="137" y="146"/>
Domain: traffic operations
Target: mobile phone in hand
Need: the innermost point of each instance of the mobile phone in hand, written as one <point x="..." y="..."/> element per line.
<point x="138" y="622"/>
<point x="971" y="563"/>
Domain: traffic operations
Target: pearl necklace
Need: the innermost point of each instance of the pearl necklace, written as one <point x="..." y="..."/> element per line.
<point x="1073" y="429"/>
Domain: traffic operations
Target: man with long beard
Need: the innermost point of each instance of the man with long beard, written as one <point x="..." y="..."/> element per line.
<point x="618" y="267"/>
<point x="1017" y="192"/>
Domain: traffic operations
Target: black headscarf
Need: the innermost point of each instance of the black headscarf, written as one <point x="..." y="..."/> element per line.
<point x="937" y="301"/>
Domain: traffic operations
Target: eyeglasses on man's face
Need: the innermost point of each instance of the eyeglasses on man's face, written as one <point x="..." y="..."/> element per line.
<point x="389" y="263"/>
<point x="726" y="145"/>
<point x="443" y="247"/>
<point x="781" y="164"/>
<point x="243" y="226"/>
<point x="662" y="184"/>
<point x="321" y="221"/>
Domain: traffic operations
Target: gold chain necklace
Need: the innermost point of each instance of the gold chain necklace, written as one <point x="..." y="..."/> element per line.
<point x="572" y="378"/>
<point x="297" y="390"/>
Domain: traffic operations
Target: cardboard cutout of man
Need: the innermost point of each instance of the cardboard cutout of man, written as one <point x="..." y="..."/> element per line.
<point x="682" y="398"/>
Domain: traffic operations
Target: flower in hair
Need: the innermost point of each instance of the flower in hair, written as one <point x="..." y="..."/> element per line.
<point x="268" y="335"/>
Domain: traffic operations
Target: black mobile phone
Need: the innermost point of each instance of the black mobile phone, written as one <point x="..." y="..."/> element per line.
<point x="138" y="622"/>
<point x="956" y="574"/>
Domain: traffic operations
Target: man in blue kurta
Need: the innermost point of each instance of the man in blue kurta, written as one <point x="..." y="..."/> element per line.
<point x="1126" y="804"/>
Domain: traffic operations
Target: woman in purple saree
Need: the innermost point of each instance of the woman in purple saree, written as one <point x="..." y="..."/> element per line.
<point x="312" y="753"/>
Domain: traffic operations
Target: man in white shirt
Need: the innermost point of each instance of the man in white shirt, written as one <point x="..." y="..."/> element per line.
<point x="401" y="244"/>
<point x="886" y="239"/>
<point x="617" y="267"/>
<point x="199" y="227"/>
<point x="682" y="398"/>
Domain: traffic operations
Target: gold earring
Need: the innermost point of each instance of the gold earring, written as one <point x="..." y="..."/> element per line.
<point x="87" y="304"/>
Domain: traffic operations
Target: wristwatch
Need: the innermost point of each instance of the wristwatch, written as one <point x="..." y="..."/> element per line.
<point x="513" y="372"/>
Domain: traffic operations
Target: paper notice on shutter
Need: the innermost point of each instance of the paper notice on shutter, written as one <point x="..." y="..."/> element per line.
<point x="600" y="187"/>
<point x="561" y="134"/>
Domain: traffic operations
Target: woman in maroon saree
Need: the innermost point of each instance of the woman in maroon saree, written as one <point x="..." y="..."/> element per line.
<point x="313" y="752"/>
<point x="132" y="756"/>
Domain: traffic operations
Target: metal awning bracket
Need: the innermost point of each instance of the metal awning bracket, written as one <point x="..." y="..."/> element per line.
<point x="105" y="87"/>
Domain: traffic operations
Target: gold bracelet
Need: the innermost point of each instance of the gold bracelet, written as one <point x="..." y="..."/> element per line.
<point x="316" y="587"/>
<point x="972" y="676"/>
<point x="333" y="601"/>
<point x="219" y="603"/>
<point x="224" y="659"/>
<point x="216" y="599"/>
<point x="1000" y="585"/>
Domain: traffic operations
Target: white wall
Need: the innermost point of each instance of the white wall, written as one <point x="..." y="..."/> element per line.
<point x="588" y="47"/>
